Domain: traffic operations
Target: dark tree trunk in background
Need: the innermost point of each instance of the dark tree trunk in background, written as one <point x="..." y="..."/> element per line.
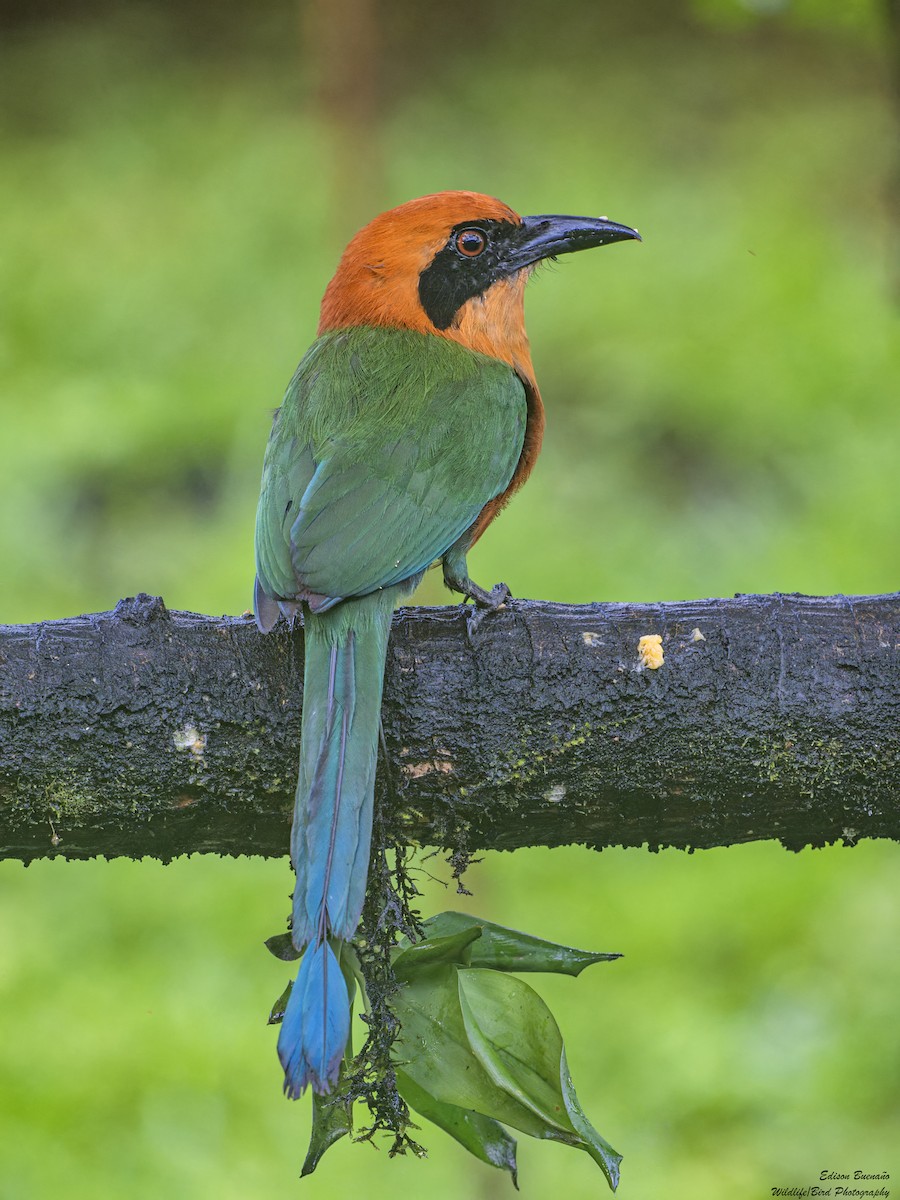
<point x="342" y="48"/>
<point x="892" y="10"/>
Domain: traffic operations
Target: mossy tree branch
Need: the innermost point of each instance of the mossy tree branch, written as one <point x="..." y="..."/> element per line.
<point x="144" y="732"/>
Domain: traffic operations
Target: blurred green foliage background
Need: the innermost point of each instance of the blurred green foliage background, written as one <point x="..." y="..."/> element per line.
<point x="175" y="188"/>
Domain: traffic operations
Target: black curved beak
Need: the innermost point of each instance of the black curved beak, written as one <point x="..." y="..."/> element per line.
<point x="548" y="236"/>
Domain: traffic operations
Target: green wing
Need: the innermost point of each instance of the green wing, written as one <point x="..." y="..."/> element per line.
<point x="386" y="448"/>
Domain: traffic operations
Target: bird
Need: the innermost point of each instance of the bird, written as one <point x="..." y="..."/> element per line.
<point x="410" y="422"/>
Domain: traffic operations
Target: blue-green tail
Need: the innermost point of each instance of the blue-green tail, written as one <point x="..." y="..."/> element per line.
<point x="332" y="829"/>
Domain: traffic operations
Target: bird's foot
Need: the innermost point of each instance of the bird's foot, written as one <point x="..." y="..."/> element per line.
<point x="456" y="577"/>
<point x="484" y="603"/>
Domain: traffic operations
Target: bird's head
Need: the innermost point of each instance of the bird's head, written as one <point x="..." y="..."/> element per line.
<point x="454" y="264"/>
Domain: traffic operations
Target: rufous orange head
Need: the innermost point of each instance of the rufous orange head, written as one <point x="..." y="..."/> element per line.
<point x="454" y="264"/>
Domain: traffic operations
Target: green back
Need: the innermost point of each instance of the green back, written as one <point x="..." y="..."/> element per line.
<point x="387" y="446"/>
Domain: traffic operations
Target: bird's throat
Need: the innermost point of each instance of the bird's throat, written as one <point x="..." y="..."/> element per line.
<point x="493" y="323"/>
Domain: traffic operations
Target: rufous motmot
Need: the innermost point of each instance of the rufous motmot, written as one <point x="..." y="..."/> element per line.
<point x="406" y="428"/>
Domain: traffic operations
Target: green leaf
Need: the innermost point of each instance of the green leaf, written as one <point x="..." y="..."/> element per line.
<point x="277" y="1013"/>
<point x="516" y="1039"/>
<point x="453" y="948"/>
<point x="349" y="964"/>
<point x="331" y="1120"/>
<point x="433" y="1050"/>
<point x="480" y="1135"/>
<point x="597" y="1147"/>
<point x="509" y="950"/>
<point x="282" y="947"/>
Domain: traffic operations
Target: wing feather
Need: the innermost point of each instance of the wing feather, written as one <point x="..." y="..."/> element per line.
<point x="383" y="454"/>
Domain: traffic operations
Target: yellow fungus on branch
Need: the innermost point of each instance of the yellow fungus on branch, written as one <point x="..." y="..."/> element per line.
<point x="650" y="651"/>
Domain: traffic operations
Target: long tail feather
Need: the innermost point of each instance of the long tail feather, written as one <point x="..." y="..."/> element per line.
<point x="332" y="830"/>
<point x="316" y="1024"/>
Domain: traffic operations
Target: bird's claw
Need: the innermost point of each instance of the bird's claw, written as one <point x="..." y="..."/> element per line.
<point x="484" y="603"/>
<point x="499" y="595"/>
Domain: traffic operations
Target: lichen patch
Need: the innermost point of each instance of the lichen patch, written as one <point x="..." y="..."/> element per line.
<point x="190" y="738"/>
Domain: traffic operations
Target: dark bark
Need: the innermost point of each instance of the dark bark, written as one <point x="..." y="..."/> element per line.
<point x="147" y="732"/>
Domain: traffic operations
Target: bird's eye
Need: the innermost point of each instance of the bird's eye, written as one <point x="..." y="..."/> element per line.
<point x="471" y="242"/>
